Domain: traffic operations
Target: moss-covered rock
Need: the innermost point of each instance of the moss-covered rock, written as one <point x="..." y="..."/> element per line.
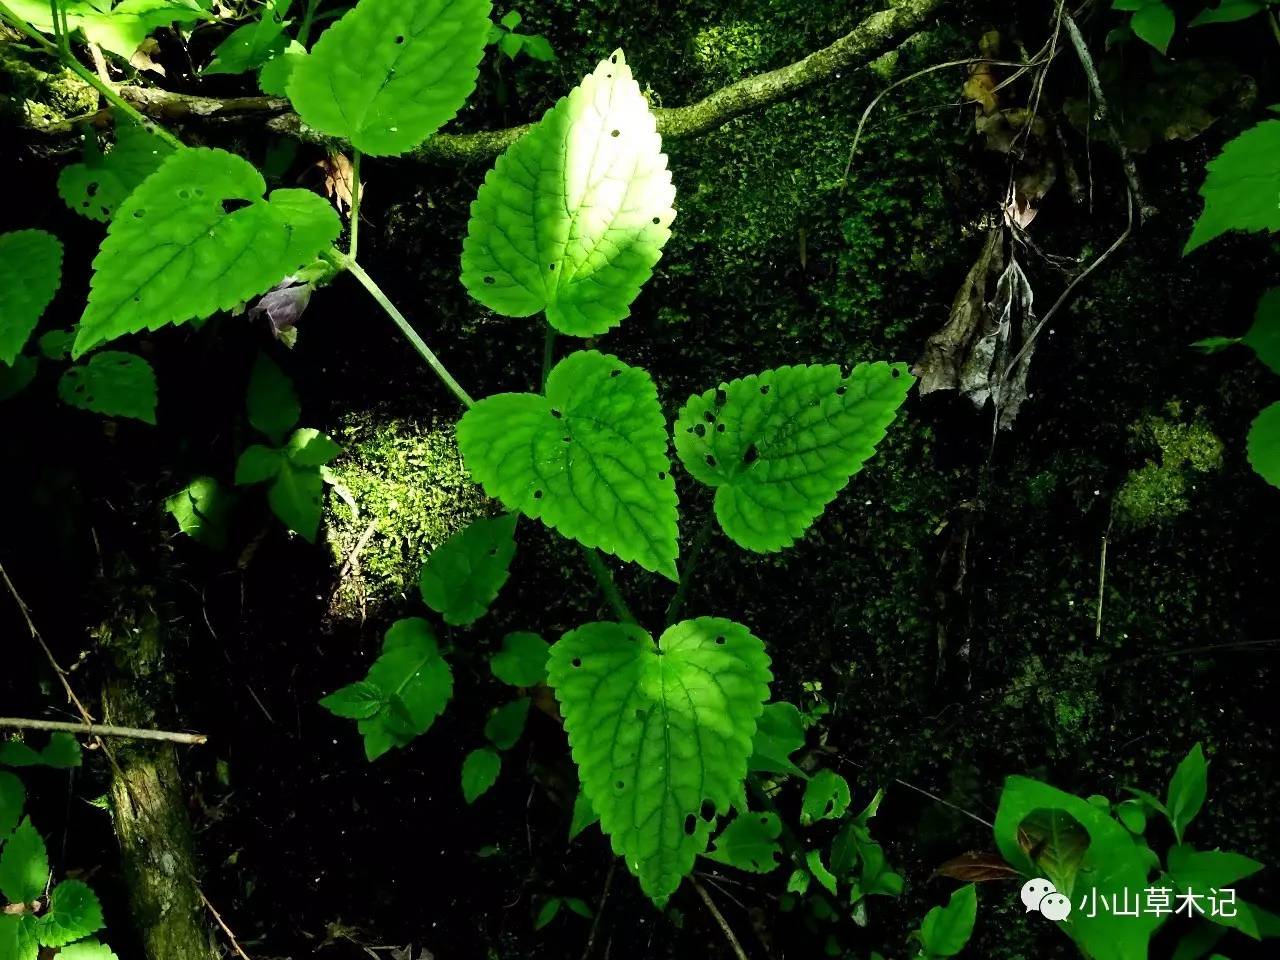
<point x="1157" y="492"/>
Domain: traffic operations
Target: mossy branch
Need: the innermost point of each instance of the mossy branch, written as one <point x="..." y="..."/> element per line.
<point x="872" y="36"/>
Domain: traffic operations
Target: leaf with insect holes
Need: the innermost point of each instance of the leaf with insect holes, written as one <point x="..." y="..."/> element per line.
<point x="574" y="216"/>
<point x="522" y="661"/>
<point x="196" y="237"/>
<point x="463" y="575"/>
<point x="661" y="733"/>
<point x="24" y="864"/>
<point x="96" y="186"/>
<point x="778" y="446"/>
<point x="1264" y="444"/>
<point x="389" y="73"/>
<point x="112" y="383"/>
<point x="13" y="796"/>
<point x="30" y="272"/>
<point x="749" y="842"/>
<point x="480" y="771"/>
<point x="826" y="797"/>
<point x="74" y="912"/>
<point x="1241" y="187"/>
<point x="588" y="459"/>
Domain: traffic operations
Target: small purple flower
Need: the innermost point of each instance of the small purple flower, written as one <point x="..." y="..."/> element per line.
<point x="283" y="305"/>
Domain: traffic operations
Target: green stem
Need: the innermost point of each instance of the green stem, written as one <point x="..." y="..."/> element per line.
<point x="548" y="354"/>
<point x="690" y="564"/>
<point x="355" y="203"/>
<point x="342" y="260"/>
<point x="607" y="586"/>
<point x="308" y="18"/>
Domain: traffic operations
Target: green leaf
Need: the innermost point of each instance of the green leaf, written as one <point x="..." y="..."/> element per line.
<point x="74" y="912"/>
<point x="203" y="510"/>
<point x="578" y="907"/>
<point x="30" y="271"/>
<point x="813" y="859"/>
<point x="549" y="911"/>
<point x="272" y="402"/>
<point x="15" y="377"/>
<point x="1264" y="444"/>
<point x="522" y="661"/>
<point x="583" y="815"/>
<point x="779" y="734"/>
<point x="1113" y="863"/>
<point x="574" y="216"/>
<point x="1209" y="869"/>
<point x="1056" y="843"/>
<point x="18" y="938"/>
<point x="660" y="733"/>
<point x="946" y="930"/>
<point x="778" y="446"/>
<point x="24" y="865"/>
<point x="511" y="19"/>
<point x="356" y="701"/>
<point x="1264" y="335"/>
<point x="1228" y="11"/>
<point x="12" y="798"/>
<point x="826" y="797"/>
<point x="506" y="724"/>
<point x="16" y="753"/>
<point x="96" y="187"/>
<point x="197" y="237"/>
<point x="257" y="464"/>
<point x="1133" y="814"/>
<point x="539" y="48"/>
<point x="479" y="772"/>
<point x="251" y="45"/>
<point x="1241" y="187"/>
<point x="463" y="575"/>
<point x="798" y="882"/>
<point x="389" y="73"/>
<point x="749" y="842"/>
<point x="119" y="29"/>
<point x="296" y="496"/>
<point x="1211" y="345"/>
<point x="1187" y="790"/>
<point x="589" y="459"/>
<point x="87" y="950"/>
<point x="1155" y="23"/>
<point x="509" y="44"/>
<point x="112" y="383"/>
<point x="309" y="447"/>
<point x="273" y="78"/>
<point x="62" y="752"/>
<point x="415" y="681"/>
<point x="1198" y="942"/>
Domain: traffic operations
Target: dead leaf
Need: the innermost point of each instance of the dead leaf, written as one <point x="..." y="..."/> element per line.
<point x="945" y="351"/>
<point x="141" y="59"/>
<point x="976" y="867"/>
<point x="339" y="177"/>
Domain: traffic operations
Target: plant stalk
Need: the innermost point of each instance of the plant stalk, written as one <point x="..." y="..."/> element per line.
<point x="690" y="564"/>
<point x="355" y="204"/>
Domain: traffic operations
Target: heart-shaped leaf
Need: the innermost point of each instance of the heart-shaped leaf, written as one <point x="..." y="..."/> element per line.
<point x="1241" y="187"/>
<point x="588" y="459"/>
<point x="573" y="217"/>
<point x="390" y="73"/>
<point x="30" y="271"/>
<point x="113" y="383"/>
<point x="661" y="733"/>
<point x="197" y="237"/>
<point x="778" y="446"/>
<point x="74" y="912"/>
<point x="522" y="661"/>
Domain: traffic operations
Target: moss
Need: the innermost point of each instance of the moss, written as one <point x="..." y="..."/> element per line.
<point x="31" y="95"/>
<point x="1157" y="492"/>
<point x="409" y="485"/>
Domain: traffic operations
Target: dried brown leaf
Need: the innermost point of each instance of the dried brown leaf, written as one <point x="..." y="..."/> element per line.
<point x="977" y="867"/>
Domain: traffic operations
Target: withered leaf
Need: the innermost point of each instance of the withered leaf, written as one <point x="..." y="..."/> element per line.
<point x="977" y="867"/>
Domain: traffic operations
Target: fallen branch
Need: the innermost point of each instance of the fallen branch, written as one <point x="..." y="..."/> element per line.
<point x="101" y="730"/>
<point x="720" y="920"/>
<point x="869" y="38"/>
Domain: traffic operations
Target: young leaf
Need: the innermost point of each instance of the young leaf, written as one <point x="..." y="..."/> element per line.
<point x="272" y="402"/>
<point x="463" y="575"/>
<point x="578" y="907"/>
<point x="309" y="447"/>
<point x="479" y="772"/>
<point x="749" y="842"/>
<point x="539" y="48"/>
<point x="778" y="446"/>
<point x="1264" y="444"/>
<point x="1133" y="814"/>
<point x="389" y="73"/>
<point x="24" y="865"/>
<point x="826" y="797"/>
<point x="1187" y="790"/>
<point x="660" y="733"/>
<point x="583" y="815"/>
<point x="522" y="661"/>
<point x="574" y="216"/>
<point x="1264" y="335"/>
<point x="1241" y="187"/>
<point x="947" y="929"/>
<point x="506" y="724"/>
<point x="1155" y="24"/>
<point x="112" y="383"/>
<point x="356" y="701"/>
<point x="202" y="509"/>
<point x="251" y="45"/>
<point x="548" y="912"/>
<point x="589" y="459"/>
<point x="257" y="464"/>
<point x="96" y="187"/>
<point x="273" y="78"/>
<point x="1209" y="869"/>
<point x="296" y="496"/>
<point x="1228" y="11"/>
<point x="12" y="798"/>
<point x="74" y="912"/>
<point x="197" y="237"/>
<point x="30" y="271"/>
<point x="779" y="734"/>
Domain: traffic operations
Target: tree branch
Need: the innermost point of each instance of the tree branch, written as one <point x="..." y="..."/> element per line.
<point x="876" y="33"/>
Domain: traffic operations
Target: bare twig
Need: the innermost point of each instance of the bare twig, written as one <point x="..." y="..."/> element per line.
<point x="1102" y="581"/>
<point x="595" y="921"/>
<point x="101" y="730"/>
<point x="724" y="924"/>
<point x="235" y="944"/>
<point x="924" y="793"/>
